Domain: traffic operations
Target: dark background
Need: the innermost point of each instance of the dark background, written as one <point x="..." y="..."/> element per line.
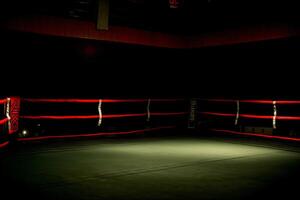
<point x="34" y="65"/>
<point x="41" y="65"/>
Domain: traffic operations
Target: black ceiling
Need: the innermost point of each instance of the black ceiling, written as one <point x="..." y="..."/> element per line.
<point x="193" y="16"/>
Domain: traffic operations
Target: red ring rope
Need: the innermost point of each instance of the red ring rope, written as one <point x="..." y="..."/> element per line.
<point x="166" y="100"/>
<point x="218" y="114"/>
<point x="83" y="116"/>
<point x="3" y="121"/>
<point x="82" y="100"/>
<point x="3" y="101"/>
<point x="94" y="134"/>
<point x="294" y="118"/>
<point x="97" y="116"/>
<point x="254" y="101"/>
<point x="270" y="101"/>
<point x="4" y="144"/>
<point x="255" y="134"/>
<point x="257" y="116"/>
<point x="96" y="100"/>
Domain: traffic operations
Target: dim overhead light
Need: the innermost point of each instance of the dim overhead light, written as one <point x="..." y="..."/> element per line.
<point x="24" y="132"/>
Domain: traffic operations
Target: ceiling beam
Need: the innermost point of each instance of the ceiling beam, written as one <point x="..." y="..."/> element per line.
<point x="55" y="26"/>
<point x="103" y="15"/>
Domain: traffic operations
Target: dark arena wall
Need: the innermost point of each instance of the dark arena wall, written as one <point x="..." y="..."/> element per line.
<point x="57" y="66"/>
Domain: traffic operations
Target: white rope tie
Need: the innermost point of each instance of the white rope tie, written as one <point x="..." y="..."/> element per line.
<point x="237" y="112"/>
<point x="148" y="110"/>
<point x="274" y="115"/>
<point x="7" y="112"/>
<point x="100" y="112"/>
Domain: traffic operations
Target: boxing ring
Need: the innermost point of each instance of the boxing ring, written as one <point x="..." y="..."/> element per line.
<point x="271" y="119"/>
<point x="26" y="119"/>
<point x="114" y="165"/>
